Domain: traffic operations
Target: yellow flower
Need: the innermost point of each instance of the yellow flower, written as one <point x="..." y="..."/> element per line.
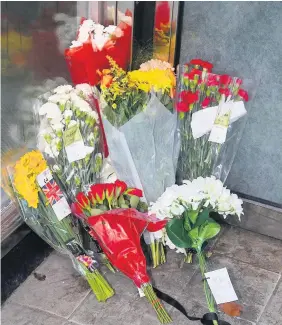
<point x="114" y="106"/>
<point x="26" y="170"/>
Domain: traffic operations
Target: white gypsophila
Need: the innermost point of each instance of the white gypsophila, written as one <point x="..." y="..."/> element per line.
<point x="85" y="89"/>
<point x="63" y="89"/>
<point x="51" y="110"/>
<point x="68" y="113"/>
<point x="72" y="123"/>
<point x="88" y="150"/>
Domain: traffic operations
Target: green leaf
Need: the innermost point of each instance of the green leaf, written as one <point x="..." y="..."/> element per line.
<point x="134" y="200"/>
<point x="96" y="212"/>
<point x="193" y="214"/>
<point x="124" y="206"/>
<point x="121" y="200"/>
<point x="208" y="230"/>
<point x="202" y="217"/>
<point x="187" y="224"/>
<point x="194" y="234"/>
<point x="177" y="234"/>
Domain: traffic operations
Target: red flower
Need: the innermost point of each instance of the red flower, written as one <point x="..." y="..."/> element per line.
<point x="182" y="107"/>
<point x="76" y="208"/>
<point x="191" y="75"/>
<point x="83" y="200"/>
<point x="120" y="187"/>
<point x="243" y="94"/>
<point x="224" y="91"/>
<point x="212" y="80"/>
<point x="188" y="97"/>
<point x="225" y="80"/>
<point x="92" y="198"/>
<point x="204" y="64"/>
<point x="109" y="191"/>
<point x="206" y="102"/>
<point x="134" y="191"/>
<point x="98" y="191"/>
<point x="239" y="82"/>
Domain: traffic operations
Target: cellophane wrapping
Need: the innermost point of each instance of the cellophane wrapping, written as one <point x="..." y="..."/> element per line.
<point x="199" y="156"/>
<point x="144" y="150"/>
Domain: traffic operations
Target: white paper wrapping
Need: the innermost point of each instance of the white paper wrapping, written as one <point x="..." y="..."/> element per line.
<point x="144" y="150"/>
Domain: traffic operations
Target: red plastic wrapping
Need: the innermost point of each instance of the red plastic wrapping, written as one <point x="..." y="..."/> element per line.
<point x="84" y="61"/>
<point x="118" y="233"/>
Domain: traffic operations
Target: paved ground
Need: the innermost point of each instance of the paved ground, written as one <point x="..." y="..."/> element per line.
<point x="254" y="263"/>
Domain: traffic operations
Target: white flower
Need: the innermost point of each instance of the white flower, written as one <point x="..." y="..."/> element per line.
<point x="72" y="123"/>
<point x="58" y="127"/>
<point x="177" y="209"/>
<point x="56" y="168"/>
<point x="93" y="115"/>
<point x="110" y="29"/>
<point x="63" y="89"/>
<point x="82" y="105"/>
<point x="68" y="113"/>
<point x="51" y="110"/>
<point x="59" y="98"/>
<point x="85" y="89"/>
<point x="75" y="44"/>
<point x="99" y="41"/>
<point x="124" y="18"/>
<point x="99" y="29"/>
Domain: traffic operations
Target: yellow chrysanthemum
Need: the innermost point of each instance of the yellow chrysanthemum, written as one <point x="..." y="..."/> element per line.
<point x="26" y="170"/>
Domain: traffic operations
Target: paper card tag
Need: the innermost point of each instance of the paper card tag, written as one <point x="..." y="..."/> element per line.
<point x="221" y="286"/>
<point x="53" y="194"/>
<point x="221" y="122"/>
<point x="74" y="144"/>
<point x="141" y="293"/>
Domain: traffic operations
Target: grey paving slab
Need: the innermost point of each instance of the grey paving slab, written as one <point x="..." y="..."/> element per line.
<point x="60" y="293"/>
<point x="253" y="285"/>
<point x="252" y="248"/>
<point x="15" y="314"/>
<point x="272" y="315"/>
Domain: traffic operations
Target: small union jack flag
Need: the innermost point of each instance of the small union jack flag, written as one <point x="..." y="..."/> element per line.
<point x="52" y="192"/>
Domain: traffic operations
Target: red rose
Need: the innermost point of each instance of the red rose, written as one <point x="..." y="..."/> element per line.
<point x="243" y="94"/>
<point x="120" y="187"/>
<point x="213" y="80"/>
<point x="224" y="91"/>
<point x="239" y="82"/>
<point x="225" y="80"/>
<point x="134" y="191"/>
<point x="82" y="199"/>
<point x="98" y="191"/>
<point x="182" y="107"/>
<point x="188" y="97"/>
<point x="204" y="64"/>
<point x="206" y="102"/>
<point x="109" y="191"/>
<point x="77" y="208"/>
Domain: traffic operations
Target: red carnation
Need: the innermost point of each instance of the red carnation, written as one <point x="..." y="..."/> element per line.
<point x="82" y="199"/>
<point x="206" y="102"/>
<point x="212" y="80"/>
<point x="120" y="187"/>
<point x="224" y="91"/>
<point x="243" y="94"/>
<point x="134" y="191"/>
<point x="182" y="107"/>
<point x="239" y="82"/>
<point x="204" y="64"/>
<point x="225" y="80"/>
<point x="188" y="97"/>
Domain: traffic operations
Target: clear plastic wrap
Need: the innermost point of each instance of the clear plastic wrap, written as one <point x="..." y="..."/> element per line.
<point x="70" y="137"/>
<point x="212" y="119"/>
<point x="144" y="150"/>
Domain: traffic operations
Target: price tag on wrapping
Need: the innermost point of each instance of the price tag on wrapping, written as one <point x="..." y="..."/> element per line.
<point x="74" y="144"/>
<point x="53" y="194"/>
<point x="220" y="126"/>
<point x="221" y="286"/>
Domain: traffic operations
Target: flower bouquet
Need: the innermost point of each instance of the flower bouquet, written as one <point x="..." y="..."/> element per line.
<point x="189" y="207"/>
<point x="110" y="211"/>
<point x="94" y="42"/>
<point x="209" y="107"/>
<point x="70" y="137"/>
<point x="46" y="210"/>
<point x="141" y="131"/>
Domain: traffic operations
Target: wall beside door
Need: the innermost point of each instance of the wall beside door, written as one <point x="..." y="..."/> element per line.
<point x="244" y="39"/>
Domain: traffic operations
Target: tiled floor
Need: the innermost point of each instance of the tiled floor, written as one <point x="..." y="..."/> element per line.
<point x="254" y="263"/>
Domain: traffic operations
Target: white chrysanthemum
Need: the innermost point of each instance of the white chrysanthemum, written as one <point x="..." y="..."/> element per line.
<point x="85" y="89"/>
<point x="63" y="89"/>
<point x="59" y="98"/>
<point x="51" y="110"/>
<point x="98" y="29"/>
<point x="82" y="105"/>
<point x="100" y="40"/>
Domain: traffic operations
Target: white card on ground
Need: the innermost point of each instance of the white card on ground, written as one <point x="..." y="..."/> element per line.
<point x="221" y="286"/>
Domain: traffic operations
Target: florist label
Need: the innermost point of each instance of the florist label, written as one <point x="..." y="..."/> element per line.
<point x="74" y="144"/>
<point x="221" y="286"/>
<point x="53" y="194"/>
<point x="220" y="126"/>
